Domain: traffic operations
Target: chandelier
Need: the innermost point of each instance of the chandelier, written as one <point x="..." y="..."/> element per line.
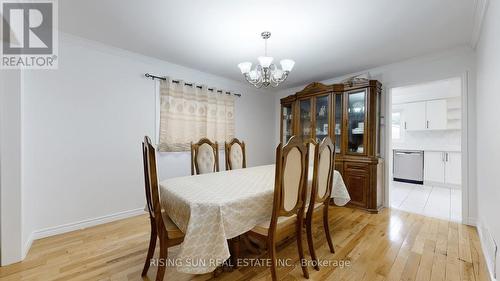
<point x="266" y="73"/>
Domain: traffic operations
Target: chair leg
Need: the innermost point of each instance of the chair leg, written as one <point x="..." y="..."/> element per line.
<point x="248" y="244"/>
<point x="234" y="249"/>
<point x="271" y="249"/>
<point x="310" y="242"/>
<point x="162" y="262"/>
<point x="327" y="229"/>
<point x="305" y="272"/>
<point x="151" y="250"/>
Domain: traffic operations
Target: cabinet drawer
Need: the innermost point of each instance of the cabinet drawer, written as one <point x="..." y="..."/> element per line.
<point x="356" y="167"/>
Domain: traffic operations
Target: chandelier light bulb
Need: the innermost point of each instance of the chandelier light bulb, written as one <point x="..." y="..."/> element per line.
<point x="287" y="64"/>
<point x="245" y="67"/>
<point x="277" y="74"/>
<point x="265" y="61"/>
<point x="253" y="74"/>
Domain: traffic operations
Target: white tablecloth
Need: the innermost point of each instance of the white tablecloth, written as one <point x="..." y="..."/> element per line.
<point x="212" y="208"/>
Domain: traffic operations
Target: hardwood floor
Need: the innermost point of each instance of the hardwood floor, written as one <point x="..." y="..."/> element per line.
<point x="392" y="245"/>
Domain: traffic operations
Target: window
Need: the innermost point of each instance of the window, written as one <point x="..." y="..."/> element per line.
<point x="396" y="126"/>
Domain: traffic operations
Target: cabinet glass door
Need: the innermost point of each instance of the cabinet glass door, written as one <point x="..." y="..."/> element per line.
<point x="337" y="131"/>
<point x="356" y="106"/>
<point x="321" y="118"/>
<point x="305" y="119"/>
<point x="287" y="123"/>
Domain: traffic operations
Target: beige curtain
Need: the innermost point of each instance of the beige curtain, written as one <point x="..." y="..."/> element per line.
<point x="188" y="114"/>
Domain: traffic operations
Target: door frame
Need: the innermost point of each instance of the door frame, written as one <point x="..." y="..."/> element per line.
<point x="387" y="90"/>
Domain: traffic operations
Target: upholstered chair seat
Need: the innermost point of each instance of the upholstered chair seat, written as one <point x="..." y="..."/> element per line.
<point x="283" y="222"/>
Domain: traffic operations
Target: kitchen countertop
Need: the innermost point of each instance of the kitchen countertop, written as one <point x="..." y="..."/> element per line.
<point x="447" y="148"/>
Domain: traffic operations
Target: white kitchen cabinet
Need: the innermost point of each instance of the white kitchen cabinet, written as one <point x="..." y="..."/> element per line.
<point x="443" y="167"/>
<point x="453" y="168"/>
<point x="414" y="116"/>
<point x="426" y="115"/>
<point x="436" y="114"/>
<point x="434" y="166"/>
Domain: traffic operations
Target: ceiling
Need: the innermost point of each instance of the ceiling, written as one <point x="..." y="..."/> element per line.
<point x="325" y="38"/>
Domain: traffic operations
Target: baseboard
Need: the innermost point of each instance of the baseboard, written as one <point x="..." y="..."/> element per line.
<point x="471" y="221"/>
<point x="27" y="246"/>
<point x="489" y="262"/>
<point x="445" y="185"/>
<point x="50" y="231"/>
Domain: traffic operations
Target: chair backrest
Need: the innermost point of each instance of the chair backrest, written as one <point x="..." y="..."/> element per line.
<point x="146" y="180"/>
<point x="324" y="166"/>
<point x="151" y="179"/>
<point x="290" y="177"/>
<point x="311" y="147"/>
<point x="235" y="154"/>
<point x="204" y="157"/>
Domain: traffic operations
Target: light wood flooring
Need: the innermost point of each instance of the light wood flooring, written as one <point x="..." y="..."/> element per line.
<point x="392" y="245"/>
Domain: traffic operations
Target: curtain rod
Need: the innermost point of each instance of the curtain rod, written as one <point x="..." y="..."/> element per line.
<point x="189" y="84"/>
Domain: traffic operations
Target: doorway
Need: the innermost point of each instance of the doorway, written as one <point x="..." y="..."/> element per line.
<point x="425" y="148"/>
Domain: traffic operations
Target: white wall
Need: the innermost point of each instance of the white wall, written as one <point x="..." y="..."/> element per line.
<point x="82" y="130"/>
<point x="488" y="128"/>
<point x="433" y="67"/>
<point x="11" y="230"/>
<point x="446" y="140"/>
<point x="442" y="89"/>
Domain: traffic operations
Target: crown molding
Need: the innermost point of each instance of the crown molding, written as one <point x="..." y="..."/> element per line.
<point x="481" y="6"/>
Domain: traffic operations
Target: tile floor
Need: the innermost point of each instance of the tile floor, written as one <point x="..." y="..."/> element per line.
<point x="433" y="201"/>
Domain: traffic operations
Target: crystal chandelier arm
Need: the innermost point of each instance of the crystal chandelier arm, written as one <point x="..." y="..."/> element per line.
<point x="255" y="82"/>
<point x="277" y="81"/>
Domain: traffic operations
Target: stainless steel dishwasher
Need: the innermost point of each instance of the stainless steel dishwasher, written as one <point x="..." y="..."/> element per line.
<point x="408" y="166"/>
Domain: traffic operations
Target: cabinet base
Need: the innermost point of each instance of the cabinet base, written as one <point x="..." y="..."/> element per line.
<point x="353" y="206"/>
<point x="371" y="211"/>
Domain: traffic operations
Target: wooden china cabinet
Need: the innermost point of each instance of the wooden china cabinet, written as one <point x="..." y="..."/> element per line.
<point x="350" y="114"/>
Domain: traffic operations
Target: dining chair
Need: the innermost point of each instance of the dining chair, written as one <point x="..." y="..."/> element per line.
<point x="321" y="190"/>
<point x="235" y="154"/>
<point x="288" y="203"/>
<point x="311" y="146"/>
<point x="204" y="157"/>
<point x="162" y="226"/>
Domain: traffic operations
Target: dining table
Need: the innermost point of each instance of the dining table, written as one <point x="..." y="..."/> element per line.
<point x="212" y="208"/>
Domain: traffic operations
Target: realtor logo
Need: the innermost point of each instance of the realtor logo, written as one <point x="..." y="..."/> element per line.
<point x="29" y="32"/>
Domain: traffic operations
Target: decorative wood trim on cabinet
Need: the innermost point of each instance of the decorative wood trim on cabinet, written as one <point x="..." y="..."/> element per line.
<point x="315" y="88"/>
